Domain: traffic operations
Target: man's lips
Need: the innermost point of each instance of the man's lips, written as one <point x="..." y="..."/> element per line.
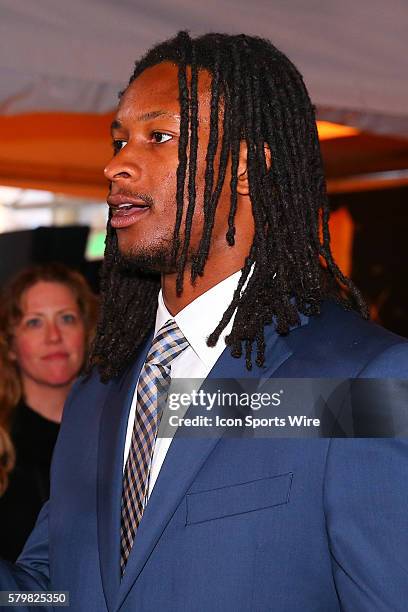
<point x="126" y="210"/>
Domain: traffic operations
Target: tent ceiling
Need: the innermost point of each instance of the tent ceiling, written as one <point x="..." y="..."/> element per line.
<point x="74" y="56"/>
<point x="62" y="64"/>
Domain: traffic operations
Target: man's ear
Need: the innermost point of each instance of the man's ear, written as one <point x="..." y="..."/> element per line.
<point x="243" y="182"/>
<point x="268" y="156"/>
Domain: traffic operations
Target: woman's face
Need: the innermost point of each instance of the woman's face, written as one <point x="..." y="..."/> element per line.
<point x="49" y="341"/>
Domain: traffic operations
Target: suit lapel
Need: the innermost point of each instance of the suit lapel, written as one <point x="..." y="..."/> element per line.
<point x="185" y="458"/>
<point x="277" y="352"/>
<point x="110" y="469"/>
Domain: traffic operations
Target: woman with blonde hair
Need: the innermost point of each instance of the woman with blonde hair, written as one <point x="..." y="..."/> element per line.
<point x="6" y="459"/>
<point x="47" y="318"/>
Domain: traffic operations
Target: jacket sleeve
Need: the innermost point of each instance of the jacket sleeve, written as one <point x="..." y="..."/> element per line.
<point x="366" y="508"/>
<point x="366" y="500"/>
<point x="31" y="571"/>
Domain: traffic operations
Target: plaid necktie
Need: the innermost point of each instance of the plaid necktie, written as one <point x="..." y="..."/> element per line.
<point x="152" y="389"/>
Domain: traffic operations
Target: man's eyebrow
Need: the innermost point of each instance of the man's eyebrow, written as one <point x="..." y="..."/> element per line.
<point x="157" y="113"/>
<point x="117" y="124"/>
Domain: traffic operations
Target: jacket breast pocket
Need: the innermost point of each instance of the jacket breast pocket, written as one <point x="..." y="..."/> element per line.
<point x="238" y="499"/>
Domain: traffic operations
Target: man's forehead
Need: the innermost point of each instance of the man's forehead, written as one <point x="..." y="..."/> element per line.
<point x="157" y="87"/>
<point x="162" y="78"/>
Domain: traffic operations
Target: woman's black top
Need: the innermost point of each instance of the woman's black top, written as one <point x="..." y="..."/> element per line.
<point x="34" y="439"/>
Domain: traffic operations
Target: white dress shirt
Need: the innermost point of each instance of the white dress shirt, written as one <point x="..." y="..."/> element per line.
<point x="196" y="322"/>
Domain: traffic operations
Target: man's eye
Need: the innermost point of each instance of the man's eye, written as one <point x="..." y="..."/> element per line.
<point x="160" y="137"/>
<point x="118" y="145"/>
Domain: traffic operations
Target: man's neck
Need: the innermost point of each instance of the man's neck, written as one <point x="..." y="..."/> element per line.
<point x="212" y="276"/>
<point x="221" y="263"/>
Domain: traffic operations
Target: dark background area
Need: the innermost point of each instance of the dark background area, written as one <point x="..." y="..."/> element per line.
<point x="64" y="244"/>
<point x="380" y="252"/>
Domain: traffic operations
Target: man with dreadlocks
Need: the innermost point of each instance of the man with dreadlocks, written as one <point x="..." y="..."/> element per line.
<point x="218" y="235"/>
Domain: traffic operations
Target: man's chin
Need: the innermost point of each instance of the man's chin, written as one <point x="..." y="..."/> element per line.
<point x="160" y="262"/>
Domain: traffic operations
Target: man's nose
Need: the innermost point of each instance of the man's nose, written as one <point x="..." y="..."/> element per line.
<point x="122" y="166"/>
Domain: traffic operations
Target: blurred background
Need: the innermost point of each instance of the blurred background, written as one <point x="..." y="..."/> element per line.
<point x="62" y="65"/>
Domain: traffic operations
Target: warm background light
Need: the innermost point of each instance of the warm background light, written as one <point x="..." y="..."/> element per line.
<point x="329" y="130"/>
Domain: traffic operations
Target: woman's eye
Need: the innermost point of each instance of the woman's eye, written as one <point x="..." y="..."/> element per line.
<point x="33" y="323"/>
<point x="68" y="318"/>
<point x="160" y="137"/>
<point x="118" y="145"/>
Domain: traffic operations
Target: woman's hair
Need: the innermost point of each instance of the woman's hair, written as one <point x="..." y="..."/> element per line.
<point x="11" y="313"/>
<point x="7" y="457"/>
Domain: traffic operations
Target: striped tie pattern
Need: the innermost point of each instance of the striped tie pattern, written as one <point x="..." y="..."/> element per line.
<point x="152" y="389"/>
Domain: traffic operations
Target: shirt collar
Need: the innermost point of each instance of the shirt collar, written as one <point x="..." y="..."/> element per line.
<point x="199" y="318"/>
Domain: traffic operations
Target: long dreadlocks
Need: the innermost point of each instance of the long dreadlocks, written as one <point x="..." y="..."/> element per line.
<point x="264" y="102"/>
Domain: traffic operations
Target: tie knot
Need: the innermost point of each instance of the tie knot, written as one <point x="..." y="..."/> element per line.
<point x="167" y="344"/>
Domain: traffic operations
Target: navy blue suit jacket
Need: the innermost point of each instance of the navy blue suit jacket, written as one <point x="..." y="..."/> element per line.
<point x="318" y="525"/>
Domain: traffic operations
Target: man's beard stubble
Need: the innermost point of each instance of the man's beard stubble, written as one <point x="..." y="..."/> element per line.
<point x="157" y="259"/>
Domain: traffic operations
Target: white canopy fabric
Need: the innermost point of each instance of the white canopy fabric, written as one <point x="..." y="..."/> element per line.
<point x="75" y="56"/>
